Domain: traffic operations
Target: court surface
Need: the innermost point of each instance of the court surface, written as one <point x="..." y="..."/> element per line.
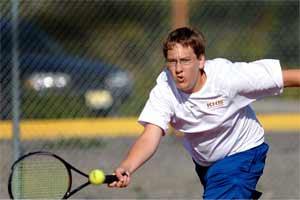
<point x="170" y="173"/>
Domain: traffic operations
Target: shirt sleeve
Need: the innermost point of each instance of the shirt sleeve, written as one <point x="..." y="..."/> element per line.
<point x="252" y="81"/>
<point x="157" y="110"/>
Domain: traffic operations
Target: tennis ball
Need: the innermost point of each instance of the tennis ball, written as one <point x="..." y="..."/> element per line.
<point x="96" y="177"/>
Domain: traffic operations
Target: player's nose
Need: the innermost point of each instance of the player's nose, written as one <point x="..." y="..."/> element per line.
<point x="178" y="68"/>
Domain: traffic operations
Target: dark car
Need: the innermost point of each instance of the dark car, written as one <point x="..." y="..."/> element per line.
<point x="54" y="83"/>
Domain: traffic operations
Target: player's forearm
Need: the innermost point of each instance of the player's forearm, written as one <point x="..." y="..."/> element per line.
<point x="142" y="150"/>
<point x="291" y="78"/>
<point x="138" y="154"/>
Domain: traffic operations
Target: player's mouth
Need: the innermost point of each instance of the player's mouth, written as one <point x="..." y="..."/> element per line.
<point x="180" y="79"/>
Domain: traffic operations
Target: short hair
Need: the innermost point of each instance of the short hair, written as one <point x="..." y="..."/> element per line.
<point x="187" y="37"/>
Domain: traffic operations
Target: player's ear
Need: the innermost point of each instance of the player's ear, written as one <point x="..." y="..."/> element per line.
<point x="201" y="61"/>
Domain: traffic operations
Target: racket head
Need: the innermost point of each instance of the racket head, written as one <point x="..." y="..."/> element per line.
<point x="39" y="175"/>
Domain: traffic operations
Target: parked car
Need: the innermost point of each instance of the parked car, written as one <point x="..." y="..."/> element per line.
<point x="54" y="82"/>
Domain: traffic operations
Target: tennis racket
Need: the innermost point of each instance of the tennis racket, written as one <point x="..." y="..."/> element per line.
<point x="44" y="175"/>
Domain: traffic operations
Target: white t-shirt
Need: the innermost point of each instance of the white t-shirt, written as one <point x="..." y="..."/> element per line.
<point x="217" y="121"/>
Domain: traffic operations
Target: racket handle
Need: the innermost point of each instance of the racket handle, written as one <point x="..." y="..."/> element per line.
<point x="112" y="178"/>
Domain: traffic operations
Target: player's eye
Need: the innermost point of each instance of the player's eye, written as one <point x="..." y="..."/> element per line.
<point x="185" y="61"/>
<point x="171" y="62"/>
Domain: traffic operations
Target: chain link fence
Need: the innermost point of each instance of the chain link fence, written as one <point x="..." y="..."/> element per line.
<point x="87" y="59"/>
<point x="83" y="59"/>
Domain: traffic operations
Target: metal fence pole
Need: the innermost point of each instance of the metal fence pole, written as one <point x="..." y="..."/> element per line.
<point x="15" y="80"/>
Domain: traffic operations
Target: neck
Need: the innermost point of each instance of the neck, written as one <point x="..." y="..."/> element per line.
<point x="201" y="80"/>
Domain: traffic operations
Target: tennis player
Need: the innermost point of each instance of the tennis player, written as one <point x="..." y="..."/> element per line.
<point x="209" y="101"/>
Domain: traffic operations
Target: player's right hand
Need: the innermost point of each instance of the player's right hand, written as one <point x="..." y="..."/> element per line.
<point x="123" y="176"/>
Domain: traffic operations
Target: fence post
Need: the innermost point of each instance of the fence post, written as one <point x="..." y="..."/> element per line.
<point x="180" y="13"/>
<point x="15" y="80"/>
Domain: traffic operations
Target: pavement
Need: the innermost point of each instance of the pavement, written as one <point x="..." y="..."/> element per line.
<point x="170" y="173"/>
<point x="273" y="105"/>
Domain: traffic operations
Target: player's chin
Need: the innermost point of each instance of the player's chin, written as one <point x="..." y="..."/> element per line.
<point x="182" y="86"/>
<point x="184" y="89"/>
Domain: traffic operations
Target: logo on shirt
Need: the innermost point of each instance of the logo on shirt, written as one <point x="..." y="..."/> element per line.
<point x="215" y="103"/>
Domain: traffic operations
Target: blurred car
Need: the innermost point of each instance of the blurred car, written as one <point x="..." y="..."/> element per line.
<point x="48" y="72"/>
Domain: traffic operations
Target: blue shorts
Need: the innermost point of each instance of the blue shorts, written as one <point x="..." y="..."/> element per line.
<point x="235" y="176"/>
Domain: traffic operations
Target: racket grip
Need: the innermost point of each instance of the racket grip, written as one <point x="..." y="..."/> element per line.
<point x="112" y="178"/>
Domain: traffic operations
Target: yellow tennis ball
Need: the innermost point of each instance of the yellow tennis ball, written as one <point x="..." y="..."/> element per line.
<point x="96" y="177"/>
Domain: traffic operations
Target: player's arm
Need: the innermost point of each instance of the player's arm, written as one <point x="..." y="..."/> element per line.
<point x="291" y="77"/>
<point x="144" y="147"/>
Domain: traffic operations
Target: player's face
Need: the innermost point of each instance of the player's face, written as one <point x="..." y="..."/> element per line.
<point x="185" y="68"/>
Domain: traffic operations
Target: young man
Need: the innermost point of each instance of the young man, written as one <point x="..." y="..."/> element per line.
<point x="208" y="101"/>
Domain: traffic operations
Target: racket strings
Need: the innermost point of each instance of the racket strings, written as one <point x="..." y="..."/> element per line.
<point x="40" y="177"/>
